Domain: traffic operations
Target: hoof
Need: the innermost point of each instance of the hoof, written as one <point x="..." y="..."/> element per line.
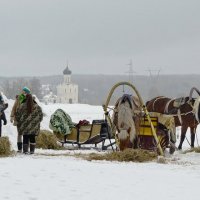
<point x="172" y="150"/>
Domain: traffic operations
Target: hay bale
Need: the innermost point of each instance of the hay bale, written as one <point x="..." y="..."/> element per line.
<point x="47" y="140"/>
<point x="128" y="155"/>
<point x="5" y="147"/>
<point x="195" y="149"/>
<point x="161" y="160"/>
<point x="59" y="136"/>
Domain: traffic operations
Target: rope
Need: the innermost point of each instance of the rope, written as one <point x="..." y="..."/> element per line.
<point x="188" y="141"/>
<point x="109" y="136"/>
<point x="174" y="115"/>
<point x="108" y="130"/>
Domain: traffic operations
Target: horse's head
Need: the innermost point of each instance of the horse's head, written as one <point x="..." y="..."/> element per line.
<point x="125" y="121"/>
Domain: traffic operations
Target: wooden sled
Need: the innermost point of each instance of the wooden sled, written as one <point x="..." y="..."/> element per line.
<point x="94" y="133"/>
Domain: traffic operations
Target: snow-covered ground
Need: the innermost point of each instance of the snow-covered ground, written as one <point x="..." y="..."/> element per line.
<point x="40" y="177"/>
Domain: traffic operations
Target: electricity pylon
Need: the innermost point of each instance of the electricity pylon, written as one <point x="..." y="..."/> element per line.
<point x="130" y="72"/>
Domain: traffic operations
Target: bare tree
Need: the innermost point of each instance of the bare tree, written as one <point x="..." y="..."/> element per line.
<point x="35" y="87"/>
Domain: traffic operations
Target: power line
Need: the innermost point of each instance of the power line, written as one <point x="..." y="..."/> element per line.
<point x="130" y="72"/>
<point x="154" y="73"/>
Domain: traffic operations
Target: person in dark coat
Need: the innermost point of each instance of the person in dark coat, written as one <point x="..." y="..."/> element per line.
<point x="28" y="117"/>
<point x="3" y="106"/>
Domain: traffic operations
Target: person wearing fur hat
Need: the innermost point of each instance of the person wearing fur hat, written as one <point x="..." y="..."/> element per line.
<point x="21" y="98"/>
<point x="3" y="106"/>
<point x="29" y="116"/>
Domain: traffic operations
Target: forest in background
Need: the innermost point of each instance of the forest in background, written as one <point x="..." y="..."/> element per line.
<point x="94" y="89"/>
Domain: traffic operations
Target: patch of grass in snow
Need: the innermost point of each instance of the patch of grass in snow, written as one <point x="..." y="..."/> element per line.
<point x="5" y="147"/>
<point x="128" y="155"/>
<point x="195" y="149"/>
<point x="53" y="154"/>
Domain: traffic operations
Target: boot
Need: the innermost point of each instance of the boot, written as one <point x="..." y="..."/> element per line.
<point x="19" y="146"/>
<point x="32" y="148"/>
<point x="25" y="148"/>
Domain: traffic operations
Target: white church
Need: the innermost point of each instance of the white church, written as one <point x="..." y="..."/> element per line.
<point x="67" y="92"/>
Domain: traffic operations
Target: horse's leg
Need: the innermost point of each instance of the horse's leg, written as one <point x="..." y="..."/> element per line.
<point x="192" y="131"/>
<point x="135" y="143"/>
<point x="183" y="132"/>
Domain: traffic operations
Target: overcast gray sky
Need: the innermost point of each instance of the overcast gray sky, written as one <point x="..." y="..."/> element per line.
<point x="38" y="37"/>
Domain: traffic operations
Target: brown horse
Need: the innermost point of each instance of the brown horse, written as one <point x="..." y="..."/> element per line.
<point x="186" y="112"/>
<point x="126" y="121"/>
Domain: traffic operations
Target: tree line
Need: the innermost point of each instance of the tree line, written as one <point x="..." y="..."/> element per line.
<point x="12" y="87"/>
<point x="94" y="89"/>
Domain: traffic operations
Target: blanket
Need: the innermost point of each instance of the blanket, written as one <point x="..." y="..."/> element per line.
<point x="61" y="122"/>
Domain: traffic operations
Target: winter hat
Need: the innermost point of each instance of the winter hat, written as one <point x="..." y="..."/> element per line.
<point x="27" y="90"/>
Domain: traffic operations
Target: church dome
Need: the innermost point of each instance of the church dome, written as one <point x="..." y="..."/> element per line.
<point x="67" y="71"/>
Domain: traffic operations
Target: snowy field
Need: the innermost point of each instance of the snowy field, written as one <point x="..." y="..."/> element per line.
<point x="45" y="177"/>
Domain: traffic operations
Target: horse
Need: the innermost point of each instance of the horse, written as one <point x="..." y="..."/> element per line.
<point x="126" y="121"/>
<point x="129" y="121"/>
<point x="185" y="110"/>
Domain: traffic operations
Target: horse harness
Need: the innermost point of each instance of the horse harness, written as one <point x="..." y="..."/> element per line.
<point x="124" y="98"/>
<point x="176" y="107"/>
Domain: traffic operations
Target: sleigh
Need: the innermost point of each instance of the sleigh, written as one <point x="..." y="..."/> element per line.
<point x="153" y="129"/>
<point x="95" y="133"/>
